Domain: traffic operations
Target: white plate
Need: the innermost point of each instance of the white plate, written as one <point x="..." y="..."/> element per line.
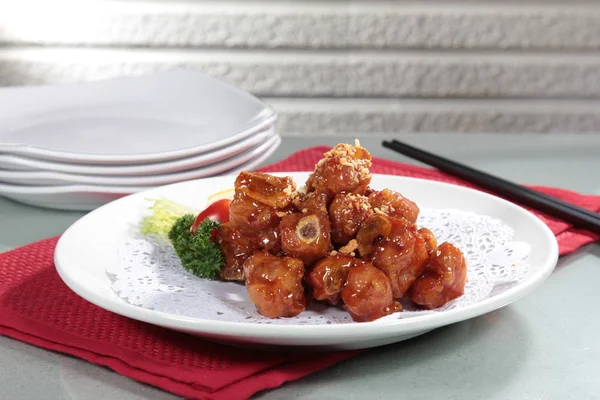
<point x="90" y="197"/>
<point x="158" y="117"/>
<point x="11" y="163"/>
<point x="58" y="178"/>
<point x="89" y="245"/>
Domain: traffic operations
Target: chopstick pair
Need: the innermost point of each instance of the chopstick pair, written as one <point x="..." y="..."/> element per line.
<point x="577" y="216"/>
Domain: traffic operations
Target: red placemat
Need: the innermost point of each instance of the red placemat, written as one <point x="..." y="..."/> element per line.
<point x="38" y="308"/>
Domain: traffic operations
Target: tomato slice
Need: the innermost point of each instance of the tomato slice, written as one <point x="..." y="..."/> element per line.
<point x="216" y="211"/>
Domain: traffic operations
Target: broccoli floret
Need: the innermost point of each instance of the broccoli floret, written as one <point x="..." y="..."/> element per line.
<point x="198" y="253"/>
<point x="164" y="214"/>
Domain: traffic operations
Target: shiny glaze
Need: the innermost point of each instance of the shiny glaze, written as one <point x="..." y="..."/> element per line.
<point x="443" y="280"/>
<point x="274" y="284"/>
<point x="254" y="218"/>
<point x="236" y="248"/>
<point x="341" y="173"/>
<point x="367" y="294"/>
<point x="347" y="213"/>
<point x="394" y="205"/>
<point x="267" y="189"/>
<point x="430" y="240"/>
<point x="293" y="244"/>
<point x="328" y="277"/>
<point x="315" y="202"/>
<point x="373" y="231"/>
<point x="402" y="256"/>
<point x="257" y="221"/>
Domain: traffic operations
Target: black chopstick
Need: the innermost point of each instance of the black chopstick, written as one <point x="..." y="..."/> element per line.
<point x="577" y="216"/>
<point x="456" y="169"/>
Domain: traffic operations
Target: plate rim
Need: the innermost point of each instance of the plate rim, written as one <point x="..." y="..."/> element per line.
<point x="37" y="165"/>
<point x="42" y="190"/>
<point x="211" y="169"/>
<point x="266" y="118"/>
<point x="327" y="331"/>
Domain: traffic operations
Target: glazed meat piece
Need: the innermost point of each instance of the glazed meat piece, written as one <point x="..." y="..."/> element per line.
<point x="443" y="280"/>
<point x="395" y="247"/>
<point x="346" y="213"/>
<point x="257" y="221"/>
<point x="274" y="191"/>
<point x="430" y="240"/>
<point x="368" y="191"/>
<point x="367" y="294"/>
<point x="259" y="202"/>
<point x="344" y="169"/>
<point x="314" y="202"/>
<point x="306" y="236"/>
<point x="274" y="284"/>
<point x="328" y="276"/>
<point x="236" y="248"/>
<point x="372" y="232"/>
<point x="394" y="205"/>
<point x="402" y="256"/>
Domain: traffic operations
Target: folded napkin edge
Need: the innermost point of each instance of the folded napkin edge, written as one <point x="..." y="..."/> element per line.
<point x="115" y="364"/>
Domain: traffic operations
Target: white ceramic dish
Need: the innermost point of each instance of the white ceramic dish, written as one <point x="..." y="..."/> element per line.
<point x="81" y="263"/>
<point x="58" y="178"/>
<point x="90" y="197"/>
<point x="162" y="116"/>
<point x="10" y="163"/>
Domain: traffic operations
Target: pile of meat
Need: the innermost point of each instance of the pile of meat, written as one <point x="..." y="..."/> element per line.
<point x="337" y="241"/>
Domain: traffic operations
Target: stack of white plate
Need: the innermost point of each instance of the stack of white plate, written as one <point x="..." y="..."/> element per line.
<point x="78" y="146"/>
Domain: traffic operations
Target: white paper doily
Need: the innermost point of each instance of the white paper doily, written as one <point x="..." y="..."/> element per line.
<point x="149" y="274"/>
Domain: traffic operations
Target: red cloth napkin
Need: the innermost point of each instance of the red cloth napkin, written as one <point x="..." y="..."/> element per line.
<point x="38" y="308"/>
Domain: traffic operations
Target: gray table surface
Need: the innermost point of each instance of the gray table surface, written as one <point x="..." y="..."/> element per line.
<point x="545" y="346"/>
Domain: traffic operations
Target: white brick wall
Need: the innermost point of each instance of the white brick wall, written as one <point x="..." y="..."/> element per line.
<point x="337" y="66"/>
